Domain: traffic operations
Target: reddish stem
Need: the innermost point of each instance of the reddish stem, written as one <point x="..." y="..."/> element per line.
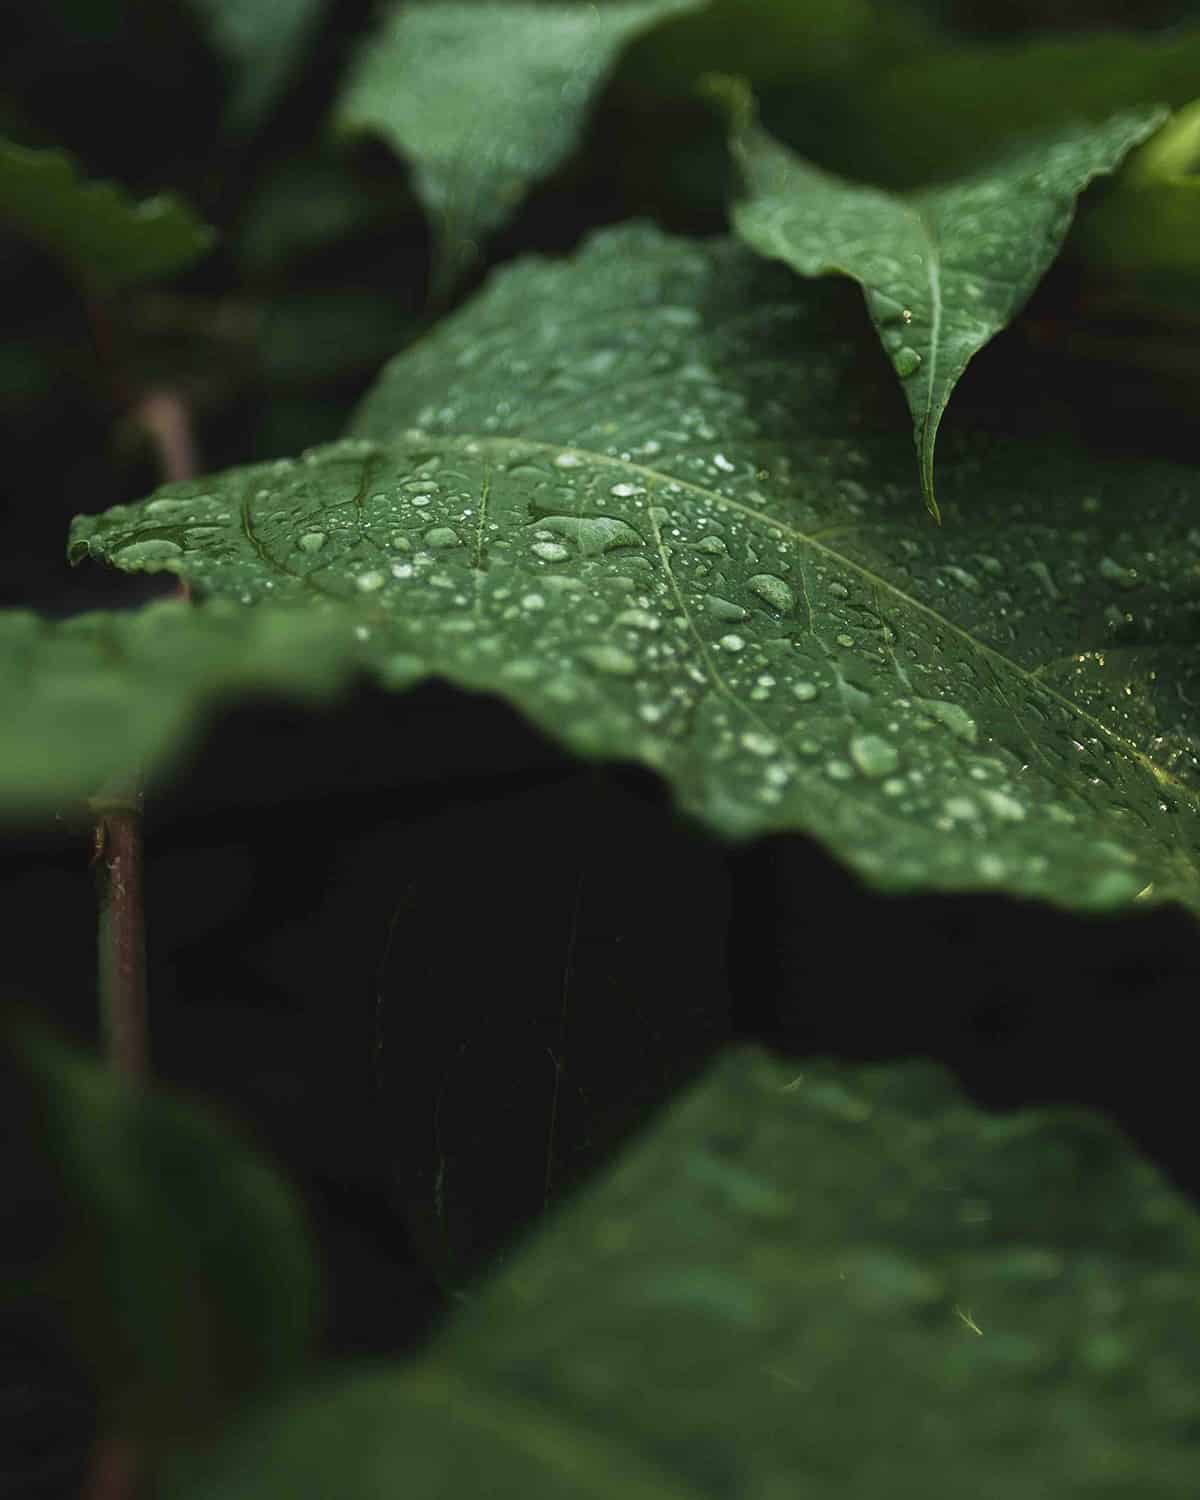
<point x="123" y="938"/>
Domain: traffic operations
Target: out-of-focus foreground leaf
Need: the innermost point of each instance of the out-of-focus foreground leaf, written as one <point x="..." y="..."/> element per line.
<point x="485" y="100"/>
<point x="651" y="500"/>
<point x="848" y="1282"/>
<point x="943" y="270"/>
<point x="173" y="1258"/>
<point x="105" y="238"/>
<point x="86" y="699"/>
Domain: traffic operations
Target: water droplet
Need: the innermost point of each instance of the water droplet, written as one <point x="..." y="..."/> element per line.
<point x="951" y="716"/>
<point x="610" y="659"/>
<point x="421" y="499"/>
<point x="533" y="601"/>
<point x="638" y="619"/>
<point x="550" y="551"/>
<point x="568" y="460"/>
<point x="724" y="609"/>
<point x="1126" y="578"/>
<point x="369" y="582"/>
<point x="839" y="770"/>
<point x="839" y="591"/>
<point x="960" y="807"/>
<point x="593" y="535"/>
<point x="138" y="554"/>
<point x="906" y="361"/>
<point x="805" y="691"/>
<point x="441" y="536"/>
<point x="723" y="464"/>
<point x="773" y="591"/>
<point x="624" y="490"/>
<point x="845" y="640"/>
<point x="759" y="744"/>
<point x="731" y="642"/>
<point x="1042" y="573"/>
<point x="873" y="755"/>
<point x="1002" y="805"/>
<point x="312" y="541"/>
<point x="712" y="544"/>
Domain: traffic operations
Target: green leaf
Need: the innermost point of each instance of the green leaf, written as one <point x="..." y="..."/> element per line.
<point x="945" y="110"/>
<point x="650" y="499"/>
<point x="263" y="42"/>
<point x="486" y="100"/>
<point x="849" y="1282"/>
<point x="82" y="700"/>
<point x="1148" y="219"/>
<point x="943" y="270"/>
<point x="103" y="236"/>
<point x="176" y="1260"/>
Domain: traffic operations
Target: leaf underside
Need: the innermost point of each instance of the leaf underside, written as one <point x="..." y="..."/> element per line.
<point x="848" y="1282"/>
<point x="943" y="270"/>
<point x="646" y="497"/>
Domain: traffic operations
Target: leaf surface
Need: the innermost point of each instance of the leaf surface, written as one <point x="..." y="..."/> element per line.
<point x="104" y="237"/>
<point x="648" y="497"/>
<point x="845" y="1282"/>
<point x="486" y="100"/>
<point x="173" y="1257"/>
<point x="83" y="700"/>
<point x="943" y="270"/>
<point x="262" y="43"/>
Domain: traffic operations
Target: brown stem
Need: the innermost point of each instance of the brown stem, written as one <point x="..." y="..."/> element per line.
<point x="115" y="1470"/>
<point x="122" y="933"/>
<point x="164" y="416"/>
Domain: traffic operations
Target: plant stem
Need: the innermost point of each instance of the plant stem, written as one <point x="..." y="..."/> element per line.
<point x="122" y="932"/>
<point x="115" y="1471"/>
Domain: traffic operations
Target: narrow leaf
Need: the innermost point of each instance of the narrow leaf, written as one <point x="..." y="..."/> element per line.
<point x="943" y="270"/>
<point x="647" y="496"/>
<point x="485" y="100"/>
<point x="104" y="237"/>
<point x="262" y="43"/>
<point x="848" y="1282"/>
<point x="174" y="1258"/>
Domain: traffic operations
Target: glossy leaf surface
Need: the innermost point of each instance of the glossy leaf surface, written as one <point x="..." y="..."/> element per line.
<point x="175" y="1260"/>
<point x="943" y="270"/>
<point x="485" y="100"/>
<point x="845" y="1282"/>
<point x="104" y="237"/>
<point x="649" y="498"/>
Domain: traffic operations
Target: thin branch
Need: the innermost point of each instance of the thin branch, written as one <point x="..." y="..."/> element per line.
<point x="122" y="929"/>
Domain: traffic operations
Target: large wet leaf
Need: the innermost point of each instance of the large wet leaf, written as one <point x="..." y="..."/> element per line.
<point x="943" y="270"/>
<point x="485" y="100"/>
<point x="172" y="1257"/>
<point x="83" y="700"/>
<point x="849" y="1283"/>
<point x="652" y="498"/>
<point x="104" y="237"/>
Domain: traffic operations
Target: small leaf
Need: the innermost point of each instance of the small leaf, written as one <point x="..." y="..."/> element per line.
<point x="846" y="1282"/>
<point x="486" y="100"/>
<point x="263" y="42"/>
<point x="82" y="700"/>
<point x="647" y="497"/>
<point x="943" y="270"/>
<point x="176" y="1260"/>
<point x="104" y="237"/>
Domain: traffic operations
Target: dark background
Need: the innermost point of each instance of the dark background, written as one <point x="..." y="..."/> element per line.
<point x="435" y="968"/>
